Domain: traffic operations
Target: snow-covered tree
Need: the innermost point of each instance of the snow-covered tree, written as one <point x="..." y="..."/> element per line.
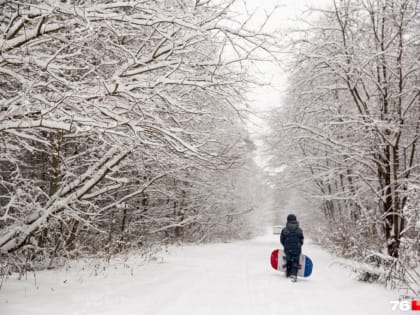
<point x="352" y="120"/>
<point x="115" y="117"/>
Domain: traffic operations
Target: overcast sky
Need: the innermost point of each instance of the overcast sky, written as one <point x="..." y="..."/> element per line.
<point x="289" y="14"/>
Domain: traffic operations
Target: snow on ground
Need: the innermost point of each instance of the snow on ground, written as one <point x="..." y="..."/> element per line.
<point x="217" y="279"/>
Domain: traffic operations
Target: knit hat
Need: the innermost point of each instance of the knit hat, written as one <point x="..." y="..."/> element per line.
<point x="291" y="217"/>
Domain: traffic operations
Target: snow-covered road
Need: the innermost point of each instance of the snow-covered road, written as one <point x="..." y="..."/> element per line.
<point x="216" y="279"/>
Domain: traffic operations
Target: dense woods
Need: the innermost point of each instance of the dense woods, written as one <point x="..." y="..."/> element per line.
<point x="121" y="126"/>
<point x="349" y="130"/>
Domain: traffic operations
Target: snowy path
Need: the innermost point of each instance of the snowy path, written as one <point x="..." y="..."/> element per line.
<point x="217" y="279"/>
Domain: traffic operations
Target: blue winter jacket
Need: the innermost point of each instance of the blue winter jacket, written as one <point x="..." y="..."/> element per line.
<point x="292" y="239"/>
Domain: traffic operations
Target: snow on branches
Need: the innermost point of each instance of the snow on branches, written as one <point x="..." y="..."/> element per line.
<point x="351" y="124"/>
<point x="99" y="98"/>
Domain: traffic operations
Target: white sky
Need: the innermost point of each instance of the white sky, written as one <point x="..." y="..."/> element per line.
<point x="289" y="14"/>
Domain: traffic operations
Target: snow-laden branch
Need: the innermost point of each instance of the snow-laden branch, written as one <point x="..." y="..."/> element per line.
<point x="7" y="45"/>
<point x="27" y="124"/>
<point x="16" y="235"/>
<point x="81" y="78"/>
